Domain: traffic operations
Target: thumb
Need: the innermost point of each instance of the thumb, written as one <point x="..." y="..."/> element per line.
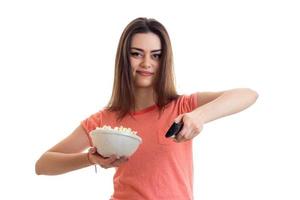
<point x="178" y="118"/>
<point x="93" y="150"/>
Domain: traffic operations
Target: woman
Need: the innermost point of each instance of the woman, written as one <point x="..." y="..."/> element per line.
<point x="144" y="98"/>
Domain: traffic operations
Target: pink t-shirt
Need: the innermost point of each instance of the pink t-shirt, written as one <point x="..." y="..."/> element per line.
<point x="160" y="168"/>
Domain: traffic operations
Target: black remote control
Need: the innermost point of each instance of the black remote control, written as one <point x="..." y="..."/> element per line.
<point x="174" y="129"/>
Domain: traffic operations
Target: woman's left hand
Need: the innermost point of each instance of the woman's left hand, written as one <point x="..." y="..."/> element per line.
<point x="192" y="126"/>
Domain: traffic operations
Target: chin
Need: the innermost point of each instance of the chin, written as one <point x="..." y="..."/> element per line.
<point x="144" y="85"/>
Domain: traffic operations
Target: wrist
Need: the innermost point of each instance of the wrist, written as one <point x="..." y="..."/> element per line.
<point x="88" y="155"/>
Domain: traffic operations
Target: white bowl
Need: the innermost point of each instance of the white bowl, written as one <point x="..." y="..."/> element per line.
<point x="114" y="142"/>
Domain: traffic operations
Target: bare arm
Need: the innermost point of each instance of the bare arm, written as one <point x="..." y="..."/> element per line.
<point x="220" y="104"/>
<point x="212" y="106"/>
<point x="65" y="156"/>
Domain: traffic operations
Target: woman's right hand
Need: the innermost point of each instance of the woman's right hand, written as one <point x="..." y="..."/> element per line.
<point x="109" y="162"/>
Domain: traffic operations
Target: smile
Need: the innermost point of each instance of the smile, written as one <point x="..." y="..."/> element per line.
<point x="144" y="73"/>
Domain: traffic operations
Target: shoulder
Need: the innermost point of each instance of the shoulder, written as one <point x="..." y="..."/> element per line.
<point x="197" y="99"/>
<point x="186" y="102"/>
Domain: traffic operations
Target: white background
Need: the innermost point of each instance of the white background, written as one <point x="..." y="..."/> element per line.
<point x="57" y="63"/>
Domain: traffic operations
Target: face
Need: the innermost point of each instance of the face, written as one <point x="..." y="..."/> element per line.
<point x="145" y="56"/>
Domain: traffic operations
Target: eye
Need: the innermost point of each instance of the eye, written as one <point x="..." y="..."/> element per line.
<point x="157" y="56"/>
<point x="135" y="54"/>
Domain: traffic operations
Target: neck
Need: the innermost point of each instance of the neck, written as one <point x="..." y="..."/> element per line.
<point x="144" y="97"/>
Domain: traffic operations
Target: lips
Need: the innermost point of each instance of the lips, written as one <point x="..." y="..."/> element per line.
<point x="145" y="73"/>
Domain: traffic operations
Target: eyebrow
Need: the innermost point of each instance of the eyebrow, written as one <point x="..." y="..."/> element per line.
<point x="143" y="50"/>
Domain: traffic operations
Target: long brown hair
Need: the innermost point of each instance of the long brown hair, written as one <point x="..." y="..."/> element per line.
<point x="122" y="98"/>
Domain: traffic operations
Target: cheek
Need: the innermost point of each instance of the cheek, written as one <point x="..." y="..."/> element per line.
<point x="133" y="63"/>
<point x="156" y="68"/>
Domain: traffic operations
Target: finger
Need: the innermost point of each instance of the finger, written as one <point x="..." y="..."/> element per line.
<point x="109" y="160"/>
<point x="177" y="139"/>
<point x="105" y="166"/>
<point x="124" y="157"/>
<point x="187" y="136"/>
<point x="180" y="140"/>
<point x="118" y="162"/>
<point x="182" y="133"/>
<point x="92" y="150"/>
<point x="178" y="118"/>
<point x="121" y="159"/>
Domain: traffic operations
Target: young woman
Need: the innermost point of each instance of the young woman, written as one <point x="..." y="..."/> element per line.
<point x="144" y="98"/>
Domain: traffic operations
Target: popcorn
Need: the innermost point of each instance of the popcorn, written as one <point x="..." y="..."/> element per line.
<point x="121" y="129"/>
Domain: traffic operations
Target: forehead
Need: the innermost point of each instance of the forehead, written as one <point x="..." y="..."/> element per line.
<point x="146" y="41"/>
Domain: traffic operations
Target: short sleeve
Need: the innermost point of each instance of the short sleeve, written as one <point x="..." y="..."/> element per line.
<point x="188" y="103"/>
<point x="91" y="123"/>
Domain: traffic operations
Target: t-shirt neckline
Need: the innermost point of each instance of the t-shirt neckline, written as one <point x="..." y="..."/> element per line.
<point x="144" y="110"/>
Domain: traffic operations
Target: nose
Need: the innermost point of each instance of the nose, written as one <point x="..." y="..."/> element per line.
<point x="146" y="62"/>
